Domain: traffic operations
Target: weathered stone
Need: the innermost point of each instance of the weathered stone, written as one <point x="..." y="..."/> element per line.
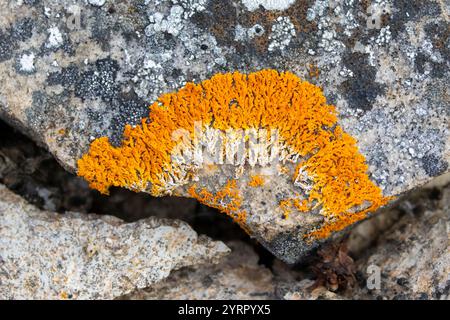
<point x="413" y="256"/>
<point x="71" y="72"/>
<point x="237" y="277"/>
<point x="45" y="255"/>
<point x="407" y="244"/>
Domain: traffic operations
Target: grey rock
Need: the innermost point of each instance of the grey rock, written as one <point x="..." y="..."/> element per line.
<point x="45" y="255"/>
<point x="237" y="277"/>
<point x="410" y="249"/>
<point x="72" y="72"/>
<point x="413" y="256"/>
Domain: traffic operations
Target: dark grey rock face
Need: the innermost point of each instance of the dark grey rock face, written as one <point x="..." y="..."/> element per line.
<point x="73" y="71"/>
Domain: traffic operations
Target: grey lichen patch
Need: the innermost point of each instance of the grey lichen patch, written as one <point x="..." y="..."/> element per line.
<point x="45" y="110"/>
<point x="290" y="245"/>
<point x="128" y="108"/>
<point x="281" y="34"/>
<point x="67" y="77"/>
<point x="13" y="36"/>
<point x="405" y="10"/>
<point x="97" y="3"/>
<point x="98" y="81"/>
<point x="25" y="62"/>
<point x="436" y="50"/>
<point x="245" y="34"/>
<point x="279" y="5"/>
<point x="433" y="165"/>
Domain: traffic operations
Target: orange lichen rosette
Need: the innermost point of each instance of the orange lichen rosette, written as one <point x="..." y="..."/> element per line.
<point x="266" y="99"/>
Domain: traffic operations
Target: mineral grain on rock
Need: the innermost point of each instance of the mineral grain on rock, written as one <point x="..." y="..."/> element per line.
<point x="72" y="72"/>
<point x="45" y="255"/>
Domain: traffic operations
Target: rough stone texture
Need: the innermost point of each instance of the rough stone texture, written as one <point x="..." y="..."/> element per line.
<point x="45" y="255"/>
<point x="414" y="255"/>
<point x="237" y="277"/>
<point x="409" y="243"/>
<point x="71" y="72"/>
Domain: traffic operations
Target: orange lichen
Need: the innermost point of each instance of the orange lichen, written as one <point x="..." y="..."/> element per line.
<point x="256" y="181"/>
<point x="296" y="109"/>
<point x="264" y="99"/>
<point x="287" y="205"/>
<point x="313" y="71"/>
<point x="227" y="200"/>
<point x="341" y="184"/>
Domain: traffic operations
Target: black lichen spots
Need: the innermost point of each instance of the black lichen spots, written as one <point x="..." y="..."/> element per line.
<point x="68" y="47"/>
<point x="6" y="47"/>
<point x="419" y="62"/>
<point x="31" y="2"/>
<point x="102" y="28"/>
<point x="66" y="77"/>
<point x="438" y="70"/>
<point x="99" y="81"/>
<point x="411" y="10"/>
<point x="433" y="166"/>
<point x="439" y="35"/>
<point x="361" y="90"/>
<point x="160" y="40"/>
<point x="290" y="247"/>
<point x="127" y="109"/>
<point x="20" y="31"/>
<point x="220" y="19"/>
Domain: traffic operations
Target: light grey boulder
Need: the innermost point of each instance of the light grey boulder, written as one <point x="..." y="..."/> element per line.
<point x="45" y="255"/>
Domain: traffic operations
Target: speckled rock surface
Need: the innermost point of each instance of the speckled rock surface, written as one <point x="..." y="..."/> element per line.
<point x="44" y="255"/>
<point x="407" y="244"/>
<point x="237" y="277"/>
<point x="74" y="71"/>
<point x="413" y="256"/>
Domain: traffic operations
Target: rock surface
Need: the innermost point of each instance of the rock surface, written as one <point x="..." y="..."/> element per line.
<point x="407" y="244"/>
<point x="71" y="72"/>
<point x="45" y="255"/>
<point x="413" y="256"/>
<point x="403" y="253"/>
<point x="238" y="277"/>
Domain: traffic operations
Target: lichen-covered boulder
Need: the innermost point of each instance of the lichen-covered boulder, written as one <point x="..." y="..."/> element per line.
<point x="72" y="73"/>
<point x="46" y="255"/>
